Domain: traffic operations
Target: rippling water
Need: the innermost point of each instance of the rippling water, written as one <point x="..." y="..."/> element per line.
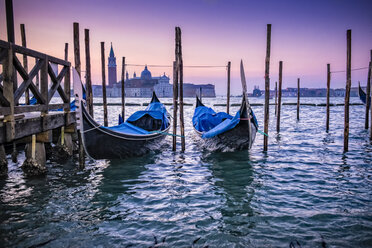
<point x="304" y="192"/>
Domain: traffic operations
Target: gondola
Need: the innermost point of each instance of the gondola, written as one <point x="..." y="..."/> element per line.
<point x="363" y="96"/>
<point x="142" y="132"/>
<point x="223" y="132"/>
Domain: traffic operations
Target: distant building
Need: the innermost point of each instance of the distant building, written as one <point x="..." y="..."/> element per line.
<point x="112" y="72"/>
<point x="144" y="85"/>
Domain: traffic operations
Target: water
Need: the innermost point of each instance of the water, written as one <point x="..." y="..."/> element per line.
<point x="303" y="192"/>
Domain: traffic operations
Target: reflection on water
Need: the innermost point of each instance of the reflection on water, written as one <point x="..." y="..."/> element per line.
<point x="304" y="191"/>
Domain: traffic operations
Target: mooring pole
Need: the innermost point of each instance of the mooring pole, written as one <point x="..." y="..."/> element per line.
<point x="200" y="93"/>
<point x="66" y="51"/>
<point x="175" y="104"/>
<point x="328" y="88"/>
<point x="276" y="97"/>
<point x="228" y="87"/>
<point x="279" y="96"/>
<point x="88" y="82"/>
<point x="123" y="89"/>
<point x="368" y="101"/>
<point x="347" y="92"/>
<point x="180" y="75"/>
<point x="78" y="69"/>
<point x="104" y="84"/>
<point x="298" y="99"/>
<point x="267" y="86"/>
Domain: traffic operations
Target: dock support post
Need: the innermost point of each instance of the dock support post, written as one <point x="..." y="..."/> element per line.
<point x="64" y="148"/>
<point x="267" y="86"/>
<point x="34" y="165"/>
<point x="347" y="92"/>
<point x="279" y="96"/>
<point x="368" y="94"/>
<point x="228" y="87"/>
<point x="88" y="82"/>
<point x="175" y="104"/>
<point x="104" y="84"/>
<point x="298" y="99"/>
<point x="3" y="162"/>
<point x="123" y="89"/>
<point x="10" y="20"/>
<point x="328" y="88"/>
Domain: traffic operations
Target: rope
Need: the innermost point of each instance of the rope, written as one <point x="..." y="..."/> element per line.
<point x="85" y="131"/>
<point x="355" y="69"/>
<point x="163" y="133"/>
<point x="187" y="66"/>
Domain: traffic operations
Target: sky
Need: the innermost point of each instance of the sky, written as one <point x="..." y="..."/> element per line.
<point x="306" y="35"/>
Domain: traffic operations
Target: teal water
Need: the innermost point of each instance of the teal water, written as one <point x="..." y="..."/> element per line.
<point x="304" y="192"/>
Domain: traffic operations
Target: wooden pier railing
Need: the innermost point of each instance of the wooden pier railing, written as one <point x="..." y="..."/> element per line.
<point x="11" y="91"/>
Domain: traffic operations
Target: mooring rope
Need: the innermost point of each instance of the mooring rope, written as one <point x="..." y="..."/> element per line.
<point x="186" y="66"/>
<point x="355" y="69"/>
<point x="170" y="134"/>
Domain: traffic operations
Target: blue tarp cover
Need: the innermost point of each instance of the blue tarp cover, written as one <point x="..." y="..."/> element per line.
<point x="128" y="128"/>
<point x="156" y="110"/>
<point x="209" y="122"/>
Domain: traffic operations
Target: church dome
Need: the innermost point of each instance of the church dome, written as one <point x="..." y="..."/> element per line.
<point x="146" y="74"/>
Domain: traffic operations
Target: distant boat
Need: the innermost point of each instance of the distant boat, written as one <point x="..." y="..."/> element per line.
<point x="140" y="133"/>
<point x="363" y="96"/>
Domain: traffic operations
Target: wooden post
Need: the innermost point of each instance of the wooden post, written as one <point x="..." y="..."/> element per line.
<point x="276" y="97"/>
<point x="8" y="93"/>
<point x="3" y="161"/>
<point x="369" y="82"/>
<point x="200" y="93"/>
<point x="104" y="84"/>
<point x="66" y="51"/>
<point x="123" y="89"/>
<point x="180" y="75"/>
<point x="175" y="104"/>
<point x="368" y="96"/>
<point x="25" y="65"/>
<point x="328" y="87"/>
<point x="279" y="96"/>
<point x="267" y="86"/>
<point x="228" y="87"/>
<point x="67" y="81"/>
<point x="78" y="69"/>
<point x="347" y="92"/>
<point x="10" y="20"/>
<point x="77" y="48"/>
<point x="298" y="99"/>
<point x="89" y="93"/>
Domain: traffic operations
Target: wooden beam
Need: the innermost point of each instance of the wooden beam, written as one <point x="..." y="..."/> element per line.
<point x="77" y="48"/>
<point x="123" y="89"/>
<point x="347" y="92"/>
<point x="228" y="88"/>
<point x="328" y="88"/>
<point x="88" y="83"/>
<point x="279" y="96"/>
<point x="175" y="104"/>
<point x="104" y="84"/>
<point x="44" y="81"/>
<point x="10" y="20"/>
<point x="267" y="86"/>
<point x="368" y="98"/>
<point x="298" y="99"/>
<point x="9" y="95"/>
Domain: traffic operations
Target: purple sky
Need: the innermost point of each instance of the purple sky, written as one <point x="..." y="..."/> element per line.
<point x="306" y="35"/>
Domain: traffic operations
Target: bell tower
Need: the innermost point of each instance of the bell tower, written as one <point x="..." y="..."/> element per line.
<point x="112" y="68"/>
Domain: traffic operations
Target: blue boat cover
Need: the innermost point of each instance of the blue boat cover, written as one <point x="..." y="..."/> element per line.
<point x="128" y="128"/>
<point x="209" y="122"/>
<point x="156" y="110"/>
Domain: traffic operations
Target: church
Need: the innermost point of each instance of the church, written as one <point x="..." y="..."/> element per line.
<point x="144" y="85"/>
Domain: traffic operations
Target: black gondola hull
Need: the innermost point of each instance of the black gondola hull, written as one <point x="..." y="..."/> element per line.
<point x="102" y="143"/>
